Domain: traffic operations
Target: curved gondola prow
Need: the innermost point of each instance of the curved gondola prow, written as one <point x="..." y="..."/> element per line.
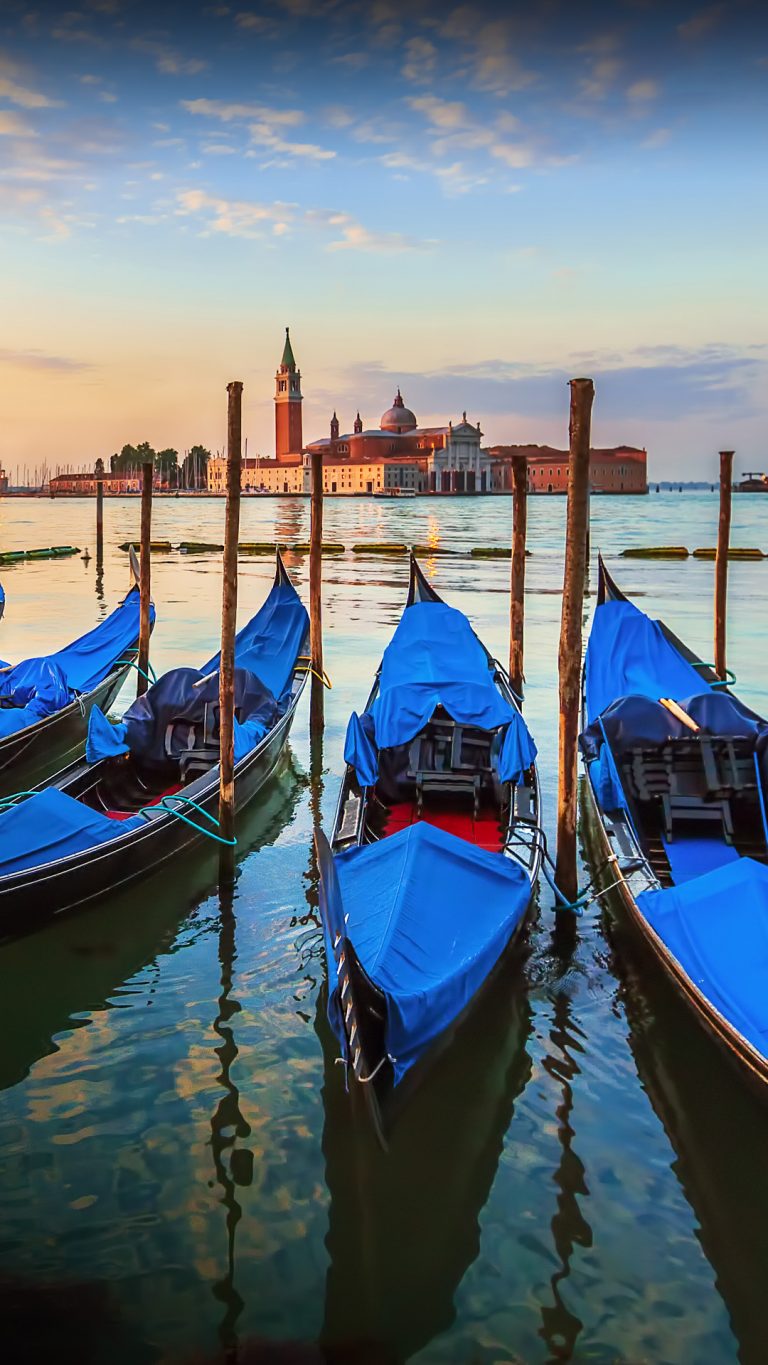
<point x="281" y="573"/>
<point x="607" y="589"/>
<point x="419" y="589"/>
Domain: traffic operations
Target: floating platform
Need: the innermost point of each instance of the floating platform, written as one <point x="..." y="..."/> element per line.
<point x="656" y="552"/>
<point x="52" y="552"/>
<point x="735" y="552"/>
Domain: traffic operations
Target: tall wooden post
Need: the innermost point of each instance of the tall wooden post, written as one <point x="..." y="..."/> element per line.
<point x="229" y="614"/>
<point x="569" y="656"/>
<point x="721" y="560"/>
<point x="517" y="577"/>
<point x="145" y="577"/>
<point x="316" y="716"/>
<point x="99" y="514"/>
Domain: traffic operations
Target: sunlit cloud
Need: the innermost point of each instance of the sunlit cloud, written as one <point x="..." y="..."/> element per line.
<point x="229" y="111"/>
<point x="13" y="125"/>
<point x="169" y="62"/>
<point x="702" y="23"/>
<point x="13" y="87"/>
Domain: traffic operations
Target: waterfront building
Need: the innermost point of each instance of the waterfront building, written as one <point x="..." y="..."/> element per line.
<point x="619" y="469"/>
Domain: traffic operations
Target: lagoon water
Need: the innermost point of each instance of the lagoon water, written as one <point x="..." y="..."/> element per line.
<point x="180" y="1172"/>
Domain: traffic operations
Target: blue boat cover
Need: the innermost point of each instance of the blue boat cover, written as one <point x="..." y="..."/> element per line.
<point x="271" y="642"/>
<point x="266" y="648"/>
<point x="434" y="658"/>
<point x="39" y="687"/>
<point x="2" y="599"/>
<point x="717" y="928"/>
<point x="51" y="825"/>
<point x="429" y="916"/>
<point x="628" y="653"/>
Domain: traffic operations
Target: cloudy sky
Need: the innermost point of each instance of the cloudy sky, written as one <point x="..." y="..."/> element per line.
<point x="474" y="203"/>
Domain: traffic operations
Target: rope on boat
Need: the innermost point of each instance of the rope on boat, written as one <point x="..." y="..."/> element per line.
<point x="150" y="676"/>
<point x="187" y="800"/>
<point x="728" y="681"/>
<point x="303" y="665"/>
<point x="13" y="797"/>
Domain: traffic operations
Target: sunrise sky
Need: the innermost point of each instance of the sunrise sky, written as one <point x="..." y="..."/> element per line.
<point x="473" y="203"/>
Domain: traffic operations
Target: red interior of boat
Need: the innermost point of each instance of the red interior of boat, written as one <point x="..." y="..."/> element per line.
<point x="154" y="801"/>
<point x="483" y="830"/>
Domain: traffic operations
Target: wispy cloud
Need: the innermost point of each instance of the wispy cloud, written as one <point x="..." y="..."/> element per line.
<point x="168" y="61"/>
<point x="420" y="60"/>
<point x="701" y="23"/>
<point x="39" y="360"/>
<point x="456" y="129"/>
<point x="263" y="135"/>
<point x="251" y="219"/>
<point x="13" y="125"/>
<point x="15" y="88"/>
<point x="230" y="111"/>
<point x="643" y="92"/>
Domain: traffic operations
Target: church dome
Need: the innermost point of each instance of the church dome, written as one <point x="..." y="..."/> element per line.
<point x="398" y="417"/>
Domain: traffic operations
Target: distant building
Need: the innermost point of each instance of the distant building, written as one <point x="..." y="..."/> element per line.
<point x="399" y="454"/>
<point x="620" y="469"/>
<point x="84" y="485"/>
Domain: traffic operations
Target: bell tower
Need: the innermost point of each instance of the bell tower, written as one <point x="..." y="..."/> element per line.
<point x="288" y="400"/>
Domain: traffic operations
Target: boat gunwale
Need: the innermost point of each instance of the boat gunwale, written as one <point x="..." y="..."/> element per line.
<point x="753" y="1063"/>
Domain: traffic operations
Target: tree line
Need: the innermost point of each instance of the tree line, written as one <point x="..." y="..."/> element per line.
<point x="190" y="473"/>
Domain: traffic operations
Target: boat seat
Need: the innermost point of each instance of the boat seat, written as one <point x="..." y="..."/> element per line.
<point x="456" y="783"/>
<point x="693" y="780"/>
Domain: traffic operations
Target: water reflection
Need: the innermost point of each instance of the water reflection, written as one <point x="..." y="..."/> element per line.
<point x="561" y="1328"/>
<point x="403" y="1225"/>
<point x="61" y="977"/>
<point x="717" y="1129"/>
<point x="228" y="1124"/>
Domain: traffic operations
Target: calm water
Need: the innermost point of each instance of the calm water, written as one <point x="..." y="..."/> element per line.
<point x="584" y="1179"/>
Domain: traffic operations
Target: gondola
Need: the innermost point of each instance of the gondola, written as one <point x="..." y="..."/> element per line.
<point x="149" y="786"/>
<point x="404" y="1225"/>
<point x="677" y="771"/>
<point x="45" y="703"/>
<point x="435" y="850"/>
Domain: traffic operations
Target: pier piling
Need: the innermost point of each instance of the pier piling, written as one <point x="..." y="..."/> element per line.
<point x="99" y="514"/>
<point x="229" y="620"/>
<point x="316" y="704"/>
<point x="569" y="655"/>
<point x="721" y="560"/>
<point x="517" y="573"/>
<point x="145" y="576"/>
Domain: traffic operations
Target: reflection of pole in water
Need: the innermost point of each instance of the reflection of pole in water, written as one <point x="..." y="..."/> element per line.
<point x="227" y="1125"/>
<point x="560" y="1328"/>
<point x="316" y="786"/>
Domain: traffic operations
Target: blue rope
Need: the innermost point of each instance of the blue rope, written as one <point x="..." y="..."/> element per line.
<point x="576" y="907"/>
<point x="151" y="676"/>
<point x="187" y="800"/>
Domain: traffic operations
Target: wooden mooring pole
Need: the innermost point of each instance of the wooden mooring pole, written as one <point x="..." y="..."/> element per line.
<point x="229" y="615"/>
<point x="145" y="577"/>
<point x="569" y="656"/>
<point x="721" y="560"/>
<point x="99" y="514"/>
<point x="517" y="575"/>
<point x="316" y="704"/>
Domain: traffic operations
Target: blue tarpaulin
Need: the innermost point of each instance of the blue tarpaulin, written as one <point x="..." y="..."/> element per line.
<point x="717" y="928"/>
<point x="429" y="916"/>
<point x="629" y="653"/>
<point x="51" y="825"/>
<point x="270" y="643"/>
<point x="435" y="659"/>
<point x="2" y="599"/>
<point x="39" y="687"/>
<point x="187" y="697"/>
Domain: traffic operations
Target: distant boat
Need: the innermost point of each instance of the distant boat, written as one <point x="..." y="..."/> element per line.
<point x="677" y="773"/>
<point x="435" y="851"/>
<point x="396" y="493"/>
<point x="752" y="482"/>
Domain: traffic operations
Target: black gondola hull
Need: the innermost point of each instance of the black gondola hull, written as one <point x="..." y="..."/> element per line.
<point x="31" y="755"/>
<point x="28" y="899"/>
